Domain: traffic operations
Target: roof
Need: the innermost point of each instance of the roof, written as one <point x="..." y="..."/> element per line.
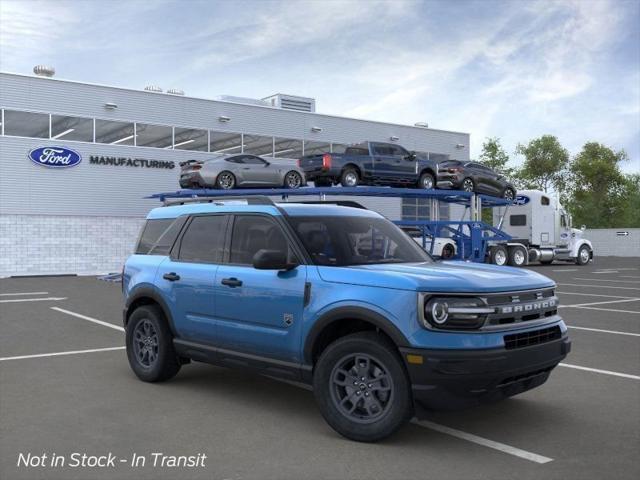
<point x="239" y="206"/>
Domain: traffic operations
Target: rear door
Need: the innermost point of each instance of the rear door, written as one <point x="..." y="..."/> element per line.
<point x="187" y="278"/>
<point x="259" y="311"/>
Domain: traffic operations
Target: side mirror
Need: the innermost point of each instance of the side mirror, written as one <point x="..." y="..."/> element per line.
<point x="583" y="227"/>
<point x="272" y="260"/>
<point x="411" y="156"/>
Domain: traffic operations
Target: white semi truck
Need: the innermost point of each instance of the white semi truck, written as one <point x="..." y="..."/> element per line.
<point x="541" y="231"/>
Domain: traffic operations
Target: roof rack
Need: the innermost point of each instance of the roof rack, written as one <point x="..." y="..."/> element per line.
<point x="341" y="203"/>
<point x="251" y="200"/>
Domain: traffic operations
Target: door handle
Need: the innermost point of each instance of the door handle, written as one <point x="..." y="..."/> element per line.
<point x="172" y="277"/>
<point x="231" y="282"/>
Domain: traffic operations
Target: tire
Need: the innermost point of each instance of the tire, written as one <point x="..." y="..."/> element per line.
<point x="226" y="180"/>
<point x="517" y="257"/>
<point x="382" y="406"/>
<point x="467" y="185"/>
<point x="292" y="180"/>
<point x="322" y="182"/>
<point x="584" y="255"/>
<point x="160" y="361"/>
<point x="499" y="255"/>
<point x="448" y="252"/>
<point x="349" y="177"/>
<point x="509" y="194"/>
<point x="427" y="181"/>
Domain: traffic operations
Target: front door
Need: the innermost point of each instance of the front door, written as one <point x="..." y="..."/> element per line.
<point x="187" y="279"/>
<point x="391" y="163"/>
<point x="259" y="311"/>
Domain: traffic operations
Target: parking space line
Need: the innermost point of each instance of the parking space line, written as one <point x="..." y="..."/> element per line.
<point x="608" y="309"/>
<point x="629" y="276"/>
<point x="597" y="370"/>
<point x="591" y="294"/>
<point x="566" y="270"/>
<point x="599" y="303"/>
<point x="607" y="271"/>
<point x="597" y="286"/>
<point x="534" y="457"/>
<point x="44" y="299"/>
<point x="604" y="331"/>
<point x="607" y="280"/>
<point x="57" y="354"/>
<point x="22" y="293"/>
<point x="88" y="319"/>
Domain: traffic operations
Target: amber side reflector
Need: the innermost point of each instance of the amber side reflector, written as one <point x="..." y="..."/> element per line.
<point x="415" y="359"/>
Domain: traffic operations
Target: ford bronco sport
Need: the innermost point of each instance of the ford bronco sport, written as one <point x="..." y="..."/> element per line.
<point x="339" y="298"/>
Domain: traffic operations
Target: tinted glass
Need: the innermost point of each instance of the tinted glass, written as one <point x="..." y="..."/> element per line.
<point x="157" y="136"/>
<point x="356" y="151"/>
<point x="287" y="148"/>
<point x="238" y="159"/>
<point x="343" y="241"/>
<point x="252" y="160"/>
<point x="225" y="142"/>
<point x="544" y="201"/>
<point x="71" y="128"/>
<point x="151" y="232"/>
<point x="252" y="233"/>
<point x="203" y="241"/>
<point x="518" y="220"/>
<point x="398" y="151"/>
<point x="190" y="139"/>
<point x="26" y="124"/>
<point x="163" y="245"/>
<point x="113" y="132"/>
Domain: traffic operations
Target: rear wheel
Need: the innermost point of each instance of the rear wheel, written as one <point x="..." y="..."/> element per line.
<point x="349" y="178"/>
<point x="226" y="180"/>
<point x="467" y="185"/>
<point x="517" y="256"/>
<point x="150" y="345"/>
<point x="584" y="255"/>
<point x="499" y="255"/>
<point x="293" y="180"/>
<point x="362" y="388"/>
<point x="509" y="194"/>
<point x="426" y="182"/>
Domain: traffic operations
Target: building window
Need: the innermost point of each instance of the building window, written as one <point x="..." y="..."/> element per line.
<point x="71" y="128"/>
<point x="316" y="148"/>
<point x="258" y="145"/>
<point x="26" y="124"/>
<point x="157" y="136"/>
<point x="287" y="148"/>
<point x="114" y="133"/>
<point x="225" y="142"/>
<point x="191" y="139"/>
<point x="419" y="209"/>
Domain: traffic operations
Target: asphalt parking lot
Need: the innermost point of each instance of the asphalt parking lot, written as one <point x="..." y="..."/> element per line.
<point x="65" y="387"/>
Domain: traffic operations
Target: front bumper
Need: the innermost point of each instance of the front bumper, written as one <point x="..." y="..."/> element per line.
<point x="451" y="379"/>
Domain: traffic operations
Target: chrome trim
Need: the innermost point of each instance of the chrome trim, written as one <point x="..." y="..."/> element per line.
<point x="471" y="309"/>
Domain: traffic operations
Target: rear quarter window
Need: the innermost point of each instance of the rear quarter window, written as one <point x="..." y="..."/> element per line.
<point x="158" y="236"/>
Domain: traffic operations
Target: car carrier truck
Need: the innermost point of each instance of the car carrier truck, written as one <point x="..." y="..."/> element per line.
<point x="540" y="230"/>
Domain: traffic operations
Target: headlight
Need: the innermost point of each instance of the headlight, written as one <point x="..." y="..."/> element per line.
<point x="455" y="312"/>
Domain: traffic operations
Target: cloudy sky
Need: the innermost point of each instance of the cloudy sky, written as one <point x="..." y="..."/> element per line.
<point x="516" y="69"/>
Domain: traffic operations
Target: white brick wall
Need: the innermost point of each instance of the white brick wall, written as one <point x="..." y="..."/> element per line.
<point x="50" y="244"/>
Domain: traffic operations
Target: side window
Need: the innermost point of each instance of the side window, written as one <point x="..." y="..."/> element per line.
<point x="518" y="220"/>
<point x="563" y="221"/>
<point x="163" y="245"/>
<point x="253" y="160"/>
<point x="238" y="159"/>
<point x="151" y="232"/>
<point x="398" y="151"/>
<point x="381" y="149"/>
<point x="544" y="201"/>
<point x="252" y="233"/>
<point x="203" y="242"/>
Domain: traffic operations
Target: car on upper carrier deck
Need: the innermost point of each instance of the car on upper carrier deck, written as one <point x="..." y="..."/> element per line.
<point x="474" y="177"/>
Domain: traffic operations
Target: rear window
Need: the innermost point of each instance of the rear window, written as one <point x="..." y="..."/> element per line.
<point x="158" y="236"/>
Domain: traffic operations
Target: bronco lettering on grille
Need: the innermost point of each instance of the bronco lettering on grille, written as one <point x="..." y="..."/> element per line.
<point x="528" y="307"/>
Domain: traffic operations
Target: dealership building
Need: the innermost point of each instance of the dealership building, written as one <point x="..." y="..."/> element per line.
<point x="127" y="144"/>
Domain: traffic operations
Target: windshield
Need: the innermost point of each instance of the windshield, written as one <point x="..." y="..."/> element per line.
<point x="342" y="241"/>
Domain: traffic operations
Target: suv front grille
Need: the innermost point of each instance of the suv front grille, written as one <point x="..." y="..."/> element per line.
<point x="517" y="307"/>
<point x="536" y="337"/>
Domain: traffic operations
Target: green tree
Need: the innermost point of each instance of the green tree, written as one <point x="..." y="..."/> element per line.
<point x="599" y="195"/>
<point x="494" y="156"/>
<point x="545" y="163"/>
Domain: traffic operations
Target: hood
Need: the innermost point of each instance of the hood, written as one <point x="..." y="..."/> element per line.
<point x="454" y="276"/>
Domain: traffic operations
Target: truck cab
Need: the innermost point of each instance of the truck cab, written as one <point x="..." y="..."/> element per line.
<point x="539" y="223"/>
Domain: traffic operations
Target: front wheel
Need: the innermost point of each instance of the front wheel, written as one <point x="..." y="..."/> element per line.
<point x="584" y="255"/>
<point x="467" y="185"/>
<point x="509" y="194"/>
<point x="293" y="180"/>
<point x="426" y="182"/>
<point x="149" y="345"/>
<point x="361" y="387"/>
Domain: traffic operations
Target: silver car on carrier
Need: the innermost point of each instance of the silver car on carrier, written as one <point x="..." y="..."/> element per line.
<point x="243" y="170"/>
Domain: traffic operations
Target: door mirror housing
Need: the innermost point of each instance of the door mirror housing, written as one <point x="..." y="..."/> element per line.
<point x="411" y="156"/>
<point x="272" y="260"/>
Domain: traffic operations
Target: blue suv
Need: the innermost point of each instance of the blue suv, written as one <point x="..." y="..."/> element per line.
<point x="339" y="298"/>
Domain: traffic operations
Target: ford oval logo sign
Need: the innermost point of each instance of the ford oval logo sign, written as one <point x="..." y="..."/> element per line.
<point x="521" y="200"/>
<point x="55" y="157"/>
